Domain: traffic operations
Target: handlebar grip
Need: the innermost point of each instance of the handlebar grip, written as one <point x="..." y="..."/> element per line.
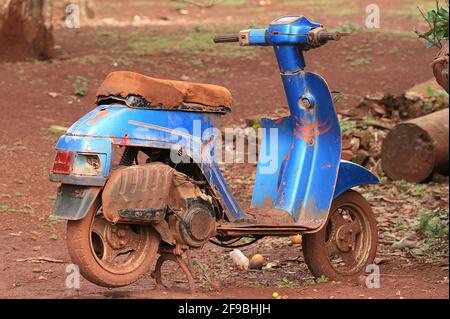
<point x="226" y="38"/>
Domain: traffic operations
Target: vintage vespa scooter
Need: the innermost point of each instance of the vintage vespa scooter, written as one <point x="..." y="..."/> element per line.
<point x="121" y="216"/>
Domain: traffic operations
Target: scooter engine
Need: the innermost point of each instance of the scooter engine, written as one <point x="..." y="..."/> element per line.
<point x="192" y="220"/>
<point x="158" y="195"/>
<point x="194" y="226"/>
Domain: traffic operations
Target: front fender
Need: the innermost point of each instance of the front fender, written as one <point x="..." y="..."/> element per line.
<point x="351" y="175"/>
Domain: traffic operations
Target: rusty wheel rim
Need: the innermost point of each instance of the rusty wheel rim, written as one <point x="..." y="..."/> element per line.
<point x="119" y="249"/>
<point x="348" y="239"/>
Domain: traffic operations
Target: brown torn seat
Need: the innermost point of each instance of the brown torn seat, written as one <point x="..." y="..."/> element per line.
<point x="166" y="94"/>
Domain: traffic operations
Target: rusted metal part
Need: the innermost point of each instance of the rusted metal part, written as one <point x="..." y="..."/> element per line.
<point x="163" y="93"/>
<point x="177" y="259"/>
<point x="182" y="190"/>
<point x="136" y="187"/>
<point x="119" y="249"/>
<point x="269" y="217"/>
<point x="143" y="215"/>
<point x="165" y="232"/>
<point x="129" y="156"/>
<point x="260" y="230"/>
<point x="194" y="226"/>
<point x="414" y="149"/>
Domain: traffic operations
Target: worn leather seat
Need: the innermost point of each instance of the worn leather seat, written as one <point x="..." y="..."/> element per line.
<point x="165" y="93"/>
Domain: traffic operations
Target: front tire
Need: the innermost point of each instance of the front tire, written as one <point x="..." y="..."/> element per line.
<point x="344" y="247"/>
<point x="110" y="255"/>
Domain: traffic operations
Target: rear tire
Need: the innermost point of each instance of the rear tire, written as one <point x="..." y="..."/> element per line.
<point x="110" y="255"/>
<point x="344" y="247"/>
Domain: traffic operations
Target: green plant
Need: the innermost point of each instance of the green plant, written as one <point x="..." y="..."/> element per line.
<point x="315" y="281"/>
<point x="433" y="225"/>
<point x="347" y="126"/>
<point x="320" y="280"/>
<point x="80" y="86"/>
<point x="286" y="283"/>
<point x="437" y="20"/>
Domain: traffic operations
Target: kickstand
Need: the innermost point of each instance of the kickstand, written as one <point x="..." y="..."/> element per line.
<point x="179" y="260"/>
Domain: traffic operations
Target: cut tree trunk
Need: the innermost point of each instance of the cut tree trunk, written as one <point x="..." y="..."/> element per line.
<point x="413" y="150"/>
<point x="26" y="29"/>
<point x="440" y="66"/>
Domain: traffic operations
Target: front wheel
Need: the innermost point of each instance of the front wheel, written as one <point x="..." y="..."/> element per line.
<point x="110" y="255"/>
<point x="343" y="248"/>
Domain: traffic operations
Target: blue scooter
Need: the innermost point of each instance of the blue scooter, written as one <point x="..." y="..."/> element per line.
<point x="139" y="174"/>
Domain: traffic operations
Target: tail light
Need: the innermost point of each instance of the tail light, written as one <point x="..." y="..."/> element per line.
<point x="63" y="162"/>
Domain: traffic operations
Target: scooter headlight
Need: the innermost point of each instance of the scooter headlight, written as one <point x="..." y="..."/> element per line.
<point x="86" y="164"/>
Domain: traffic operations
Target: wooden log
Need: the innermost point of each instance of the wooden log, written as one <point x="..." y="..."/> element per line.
<point x="414" y="149"/>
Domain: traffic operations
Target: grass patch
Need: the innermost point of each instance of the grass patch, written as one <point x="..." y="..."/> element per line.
<point x="231" y="3"/>
<point x="348" y="27"/>
<point x="347" y="126"/>
<point x="411" y="12"/>
<point x="80" y="85"/>
<point x="361" y="61"/>
<point x="4" y="208"/>
<point x="315" y="3"/>
<point x="433" y="226"/>
<point x="286" y="283"/>
<point x="196" y="41"/>
<point x="320" y="280"/>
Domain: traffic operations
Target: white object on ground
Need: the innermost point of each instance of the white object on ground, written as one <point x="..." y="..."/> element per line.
<point x="239" y="259"/>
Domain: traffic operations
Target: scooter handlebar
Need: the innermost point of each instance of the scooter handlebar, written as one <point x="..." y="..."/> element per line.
<point x="320" y="36"/>
<point x="226" y="38"/>
<point x="327" y="36"/>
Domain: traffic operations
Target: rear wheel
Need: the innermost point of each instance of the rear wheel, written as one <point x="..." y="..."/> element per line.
<point x="343" y="248"/>
<point x="111" y="255"/>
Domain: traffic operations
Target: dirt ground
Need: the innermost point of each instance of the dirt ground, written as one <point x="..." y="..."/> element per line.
<point x="169" y="40"/>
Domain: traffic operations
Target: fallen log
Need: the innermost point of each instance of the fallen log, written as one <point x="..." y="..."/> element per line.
<point x="413" y="150"/>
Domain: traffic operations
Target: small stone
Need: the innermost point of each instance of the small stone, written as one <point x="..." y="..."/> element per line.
<point x="404" y="243"/>
<point x="382" y="260"/>
<point x="53" y="95"/>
